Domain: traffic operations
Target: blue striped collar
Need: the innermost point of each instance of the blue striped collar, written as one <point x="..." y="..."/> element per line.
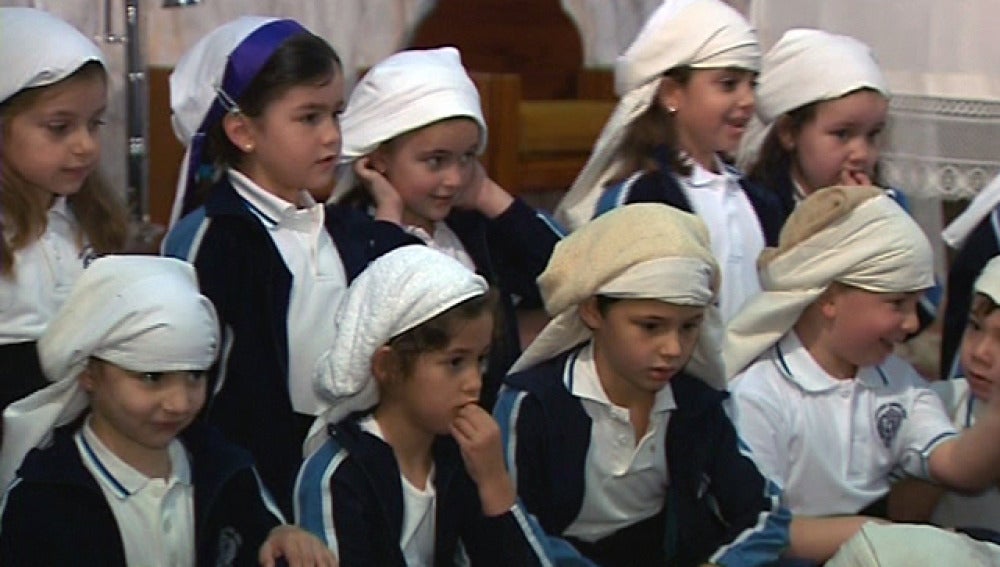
<point x="123" y="479"/>
<point x="798" y="366"/>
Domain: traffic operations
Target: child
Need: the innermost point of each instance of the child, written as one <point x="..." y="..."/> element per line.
<point x="687" y="96"/>
<point x="118" y="471"/>
<point x="827" y="410"/>
<point x="617" y="444"/>
<point x="413" y="127"/>
<point x="968" y="399"/>
<point x="823" y="104"/>
<point x="975" y="235"/>
<point x="56" y="213"/>
<point x="417" y="476"/>
<point x="259" y="99"/>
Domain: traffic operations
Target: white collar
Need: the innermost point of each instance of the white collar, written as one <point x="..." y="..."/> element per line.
<point x="798" y="366"/>
<point x="123" y="479"/>
<point x="581" y="379"/>
<point x="274" y="211"/>
<point x="701" y="177"/>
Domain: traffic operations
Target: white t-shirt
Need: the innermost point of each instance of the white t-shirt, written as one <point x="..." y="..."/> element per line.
<point x="835" y="445"/>
<point x="318" y="281"/>
<point x="625" y="478"/>
<point x="416" y="539"/>
<point x="45" y="271"/>
<point x="155" y="516"/>
<point x="734" y="230"/>
<point x="955" y="510"/>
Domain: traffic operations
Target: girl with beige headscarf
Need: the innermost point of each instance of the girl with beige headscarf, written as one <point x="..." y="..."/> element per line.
<point x="828" y="411"/>
<point x="687" y="94"/>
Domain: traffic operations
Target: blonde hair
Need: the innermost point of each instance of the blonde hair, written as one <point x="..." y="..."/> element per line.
<point x="99" y="211"/>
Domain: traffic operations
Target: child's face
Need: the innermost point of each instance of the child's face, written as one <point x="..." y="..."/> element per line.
<point x="640" y="344"/>
<point x="295" y="143"/>
<point x="55" y="142"/>
<point x="864" y="327"/>
<point x="711" y="111"/>
<point x="136" y="413"/>
<point x="842" y="139"/>
<point x="445" y="380"/>
<point x="981" y="353"/>
<point x="430" y="167"/>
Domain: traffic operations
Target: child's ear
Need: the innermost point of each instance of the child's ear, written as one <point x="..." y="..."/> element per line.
<point x="668" y="95"/>
<point x="786" y="135"/>
<point x="384" y="364"/>
<point x="378" y="160"/>
<point x="239" y="130"/>
<point x="86" y="377"/>
<point x="828" y="302"/>
<point x="590" y="313"/>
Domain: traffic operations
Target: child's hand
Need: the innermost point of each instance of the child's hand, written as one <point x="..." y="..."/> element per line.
<point x="478" y="437"/>
<point x="388" y="203"/>
<point x="484" y="195"/>
<point x="297" y="547"/>
<point x="860" y="178"/>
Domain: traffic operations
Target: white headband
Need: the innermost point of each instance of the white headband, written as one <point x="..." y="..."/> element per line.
<point x="807" y="66"/>
<point x="142" y="313"/>
<point x="876" y="247"/>
<point x="397" y="292"/>
<point x="404" y="92"/>
<point x="641" y="251"/>
<point x="988" y="282"/>
<point x="40" y="49"/>
<point x="693" y="33"/>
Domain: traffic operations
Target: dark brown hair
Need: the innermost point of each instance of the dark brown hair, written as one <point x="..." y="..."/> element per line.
<point x="435" y="334"/>
<point x="98" y="209"/>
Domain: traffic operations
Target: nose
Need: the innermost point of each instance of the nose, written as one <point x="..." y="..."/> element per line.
<point x="454" y="175"/>
<point x="332" y="135"/>
<point x="747" y="95"/>
<point x="473" y="385"/>
<point x="86" y="142"/>
<point x="911" y="322"/>
<point x="982" y="349"/>
<point x="864" y="152"/>
<point x="670" y="346"/>
<point x="180" y="397"/>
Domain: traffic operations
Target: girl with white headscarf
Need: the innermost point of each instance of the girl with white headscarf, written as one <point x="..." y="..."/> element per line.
<point x="405" y="468"/>
<point x="686" y="85"/>
<point x="256" y="102"/>
<point x="826" y="408"/>
<point x="111" y="466"/>
<point x="56" y="212"/>
<point x="412" y="128"/>
<point x="612" y="418"/>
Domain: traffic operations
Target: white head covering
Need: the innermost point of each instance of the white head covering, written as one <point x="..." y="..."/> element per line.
<point x="978" y="209"/>
<point x="397" y="292"/>
<point x="142" y="313"/>
<point x="404" y="92"/>
<point x="209" y="79"/>
<point x="702" y="34"/>
<point x="854" y="235"/>
<point x="807" y="66"/>
<point x="988" y="282"/>
<point x="642" y="251"/>
<point x="39" y="49"/>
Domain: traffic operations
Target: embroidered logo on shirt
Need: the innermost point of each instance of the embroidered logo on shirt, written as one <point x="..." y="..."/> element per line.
<point x="229" y="546"/>
<point x="888" y="419"/>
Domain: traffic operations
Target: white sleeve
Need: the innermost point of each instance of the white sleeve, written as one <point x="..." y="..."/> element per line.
<point x="927" y="427"/>
<point x="761" y="423"/>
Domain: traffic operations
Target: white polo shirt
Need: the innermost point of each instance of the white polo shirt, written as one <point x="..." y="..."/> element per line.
<point x="318" y="280"/>
<point x="955" y="510"/>
<point x="734" y="230"/>
<point x="155" y="516"/>
<point x="835" y="445"/>
<point x="443" y="240"/>
<point x="625" y="478"/>
<point x="44" y="274"/>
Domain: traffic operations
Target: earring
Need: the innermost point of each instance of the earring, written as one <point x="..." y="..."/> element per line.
<point x="248" y="147"/>
<point x="671" y="110"/>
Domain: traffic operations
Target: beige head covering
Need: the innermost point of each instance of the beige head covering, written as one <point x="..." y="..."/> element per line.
<point x="397" y="292"/>
<point x="641" y="251"/>
<point x="854" y="235"/>
<point x="703" y="34"/>
<point x="142" y="313"/>
<point x="807" y="66"/>
<point x="39" y="49"/>
<point x="404" y="92"/>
